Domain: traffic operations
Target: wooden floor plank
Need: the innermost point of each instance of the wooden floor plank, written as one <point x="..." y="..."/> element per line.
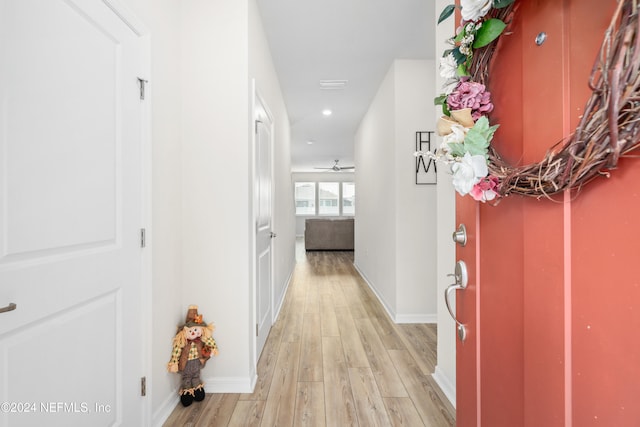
<point x="218" y="409"/>
<point x="338" y="398"/>
<point x="369" y="405"/>
<point x="309" y="410"/>
<point x="328" y="320"/>
<point x="311" y="349"/>
<point x="432" y="410"/>
<point x="402" y="412"/>
<point x="353" y="349"/>
<point x="282" y="394"/>
<point x="421" y="342"/>
<point x="387" y="377"/>
<point x="247" y="414"/>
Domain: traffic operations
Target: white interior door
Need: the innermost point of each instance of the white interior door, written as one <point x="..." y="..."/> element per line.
<point x="264" y="229"/>
<point x="70" y="214"/>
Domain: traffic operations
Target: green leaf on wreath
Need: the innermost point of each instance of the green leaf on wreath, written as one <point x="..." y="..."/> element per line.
<point x="499" y="4"/>
<point x="459" y="56"/>
<point x="456" y="149"/>
<point x="440" y="100"/>
<point x="447" y="12"/>
<point x="479" y="136"/>
<point x="445" y="109"/>
<point x="489" y="31"/>
<point x="462" y="70"/>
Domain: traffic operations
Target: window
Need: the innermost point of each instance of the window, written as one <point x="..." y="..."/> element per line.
<point x="328" y="197"/>
<point x="305" y="198"/>
<point x="325" y="198"/>
<point x="348" y="198"/>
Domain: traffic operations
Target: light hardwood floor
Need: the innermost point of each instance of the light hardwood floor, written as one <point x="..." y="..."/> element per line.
<point x="333" y="358"/>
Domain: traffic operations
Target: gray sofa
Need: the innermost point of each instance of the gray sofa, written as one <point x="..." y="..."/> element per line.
<point x="324" y="234"/>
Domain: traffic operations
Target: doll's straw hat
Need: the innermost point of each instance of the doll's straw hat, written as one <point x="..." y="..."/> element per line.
<point x="193" y="318"/>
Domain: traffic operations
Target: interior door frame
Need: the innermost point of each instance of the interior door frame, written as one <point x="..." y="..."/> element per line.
<point x="255" y="99"/>
<point x="146" y="168"/>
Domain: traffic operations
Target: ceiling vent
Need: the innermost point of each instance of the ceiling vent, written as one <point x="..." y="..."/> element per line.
<point x="332" y="84"/>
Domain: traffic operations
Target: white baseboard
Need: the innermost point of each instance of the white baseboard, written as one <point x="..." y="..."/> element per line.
<point x="390" y="312"/>
<point x="446" y="385"/>
<point x="282" y="297"/>
<point x="398" y="318"/>
<point x="417" y="318"/>
<point x="230" y="384"/>
<point x="166" y="408"/>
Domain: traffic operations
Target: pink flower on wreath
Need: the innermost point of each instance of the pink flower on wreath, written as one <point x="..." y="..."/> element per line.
<point x="485" y="190"/>
<point x="472" y="95"/>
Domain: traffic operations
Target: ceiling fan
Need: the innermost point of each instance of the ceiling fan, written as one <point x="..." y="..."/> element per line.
<point x="338" y="168"/>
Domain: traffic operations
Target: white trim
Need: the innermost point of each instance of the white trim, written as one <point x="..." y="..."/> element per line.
<point x="416" y="318"/>
<point x="230" y="384"/>
<point x="146" y="290"/>
<point x="390" y="312"/>
<point x="256" y="98"/>
<point x="162" y="414"/>
<point x="398" y="318"/>
<point x="127" y="16"/>
<point x="276" y="313"/>
<point x="445" y="384"/>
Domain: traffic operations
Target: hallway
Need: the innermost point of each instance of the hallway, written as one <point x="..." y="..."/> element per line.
<point x="333" y="358"/>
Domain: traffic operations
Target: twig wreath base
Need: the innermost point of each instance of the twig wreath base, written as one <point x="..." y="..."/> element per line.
<point x="609" y="128"/>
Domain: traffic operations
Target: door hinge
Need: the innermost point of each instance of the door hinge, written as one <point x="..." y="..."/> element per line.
<point x="142" y="82"/>
<point x="256" y="329"/>
<point x="143" y="237"/>
<point x="143" y="386"/>
<point x="256" y="125"/>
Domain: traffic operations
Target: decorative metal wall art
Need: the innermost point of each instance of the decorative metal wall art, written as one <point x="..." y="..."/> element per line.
<point x="426" y="172"/>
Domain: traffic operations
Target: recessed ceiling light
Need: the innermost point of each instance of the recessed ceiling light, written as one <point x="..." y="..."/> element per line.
<point x="310" y="142"/>
<point x="326" y="112"/>
<point x="332" y="84"/>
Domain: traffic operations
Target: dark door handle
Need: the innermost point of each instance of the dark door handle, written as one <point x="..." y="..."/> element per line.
<point x="10" y="307"/>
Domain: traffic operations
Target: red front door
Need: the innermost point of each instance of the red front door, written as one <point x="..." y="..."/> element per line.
<point x="552" y="308"/>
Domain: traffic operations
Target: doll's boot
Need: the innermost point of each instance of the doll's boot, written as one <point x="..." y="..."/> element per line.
<point x="198" y="394"/>
<point x="187" y="397"/>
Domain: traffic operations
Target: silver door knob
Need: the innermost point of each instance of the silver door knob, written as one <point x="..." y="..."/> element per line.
<point x="460" y="235"/>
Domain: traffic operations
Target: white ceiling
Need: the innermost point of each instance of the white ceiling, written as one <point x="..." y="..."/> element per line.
<point x="353" y="40"/>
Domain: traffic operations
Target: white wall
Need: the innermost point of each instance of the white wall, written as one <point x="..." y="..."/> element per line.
<point x="329" y="176"/>
<point x="445" y="372"/>
<point x="395" y="248"/>
<point x="375" y="226"/>
<point x="216" y="273"/>
<point x="166" y="227"/>
<point x="416" y="207"/>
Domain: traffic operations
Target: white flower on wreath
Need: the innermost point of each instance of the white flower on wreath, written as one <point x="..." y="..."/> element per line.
<point x="450" y="85"/>
<point x="468" y="171"/>
<point x="448" y="67"/>
<point x="472" y="10"/>
<point x="458" y="132"/>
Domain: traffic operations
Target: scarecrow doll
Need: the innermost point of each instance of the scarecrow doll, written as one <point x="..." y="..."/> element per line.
<point x="193" y="345"/>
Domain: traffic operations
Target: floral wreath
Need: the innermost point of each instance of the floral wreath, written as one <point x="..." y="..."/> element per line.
<point x="609" y="128"/>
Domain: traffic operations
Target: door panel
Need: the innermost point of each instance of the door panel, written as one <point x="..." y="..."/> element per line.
<point x="605" y="287"/>
<point x="70" y="214"/>
<point x="264" y="226"/>
<point x="545" y="97"/>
